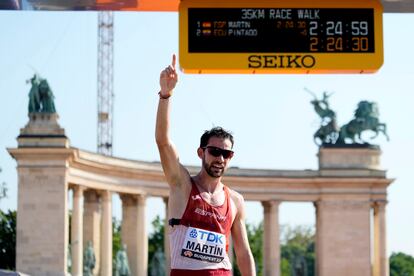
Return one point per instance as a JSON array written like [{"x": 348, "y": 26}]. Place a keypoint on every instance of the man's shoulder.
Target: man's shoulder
[{"x": 236, "y": 196}]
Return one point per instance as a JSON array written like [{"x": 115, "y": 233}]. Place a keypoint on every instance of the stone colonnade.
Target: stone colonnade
[
  {"x": 347, "y": 229},
  {"x": 347, "y": 186},
  {"x": 92, "y": 222}
]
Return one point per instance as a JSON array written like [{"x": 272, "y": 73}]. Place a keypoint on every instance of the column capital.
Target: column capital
[
  {"x": 379, "y": 206},
  {"x": 128, "y": 199},
  {"x": 380, "y": 203},
  {"x": 91, "y": 195},
  {"x": 271, "y": 203},
  {"x": 77, "y": 190},
  {"x": 133, "y": 199},
  {"x": 105, "y": 195}
]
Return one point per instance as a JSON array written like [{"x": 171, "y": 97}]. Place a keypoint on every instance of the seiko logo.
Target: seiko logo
[{"x": 281, "y": 61}]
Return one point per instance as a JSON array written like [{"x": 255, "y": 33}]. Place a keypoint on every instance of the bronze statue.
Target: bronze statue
[
  {"x": 88, "y": 260},
  {"x": 41, "y": 97},
  {"x": 366, "y": 117},
  {"x": 322, "y": 107},
  {"x": 46, "y": 97},
  {"x": 328, "y": 131},
  {"x": 298, "y": 265},
  {"x": 3, "y": 190},
  {"x": 122, "y": 265},
  {"x": 157, "y": 263},
  {"x": 34, "y": 97}
]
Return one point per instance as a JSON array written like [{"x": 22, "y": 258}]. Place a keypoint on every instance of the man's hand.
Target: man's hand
[{"x": 168, "y": 80}]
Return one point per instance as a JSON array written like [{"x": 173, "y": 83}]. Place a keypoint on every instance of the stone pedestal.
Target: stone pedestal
[
  {"x": 349, "y": 157},
  {"x": 43, "y": 130}
]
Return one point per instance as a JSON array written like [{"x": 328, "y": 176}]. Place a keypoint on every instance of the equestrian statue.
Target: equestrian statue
[
  {"x": 41, "y": 97},
  {"x": 366, "y": 118}
]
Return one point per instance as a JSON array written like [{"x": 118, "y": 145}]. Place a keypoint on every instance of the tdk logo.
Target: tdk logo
[
  {"x": 193, "y": 234},
  {"x": 206, "y": 236}
]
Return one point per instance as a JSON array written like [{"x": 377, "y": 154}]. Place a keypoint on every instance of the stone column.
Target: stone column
[
  {"x": 134, "y": 233},
  {"x": 77, "y": 231},
  {"x": 271, "y": 244},
  {"x": 92, "y": 225},
  {"x": 318, "y": 240},
  {"x": 142, "y": 254},
  {"x": 42, "y": 210},
  {"x": 106, "y": 238},
  {"x": 343, "y": 245},
  {"x": 381, "y": 266},
  {"x": 167, "y": 252}
]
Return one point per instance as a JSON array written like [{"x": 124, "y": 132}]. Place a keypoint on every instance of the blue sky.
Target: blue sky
[{"x": 270, "y": 115}]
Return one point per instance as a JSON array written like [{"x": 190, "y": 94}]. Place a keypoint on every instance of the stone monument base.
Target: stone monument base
[
  {"x": 43, "y": 130},
  {"x": 350, "y": 157}
]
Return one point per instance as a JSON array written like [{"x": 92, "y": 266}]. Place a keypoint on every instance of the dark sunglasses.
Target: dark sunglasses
[{"x": 216, "y": 152}]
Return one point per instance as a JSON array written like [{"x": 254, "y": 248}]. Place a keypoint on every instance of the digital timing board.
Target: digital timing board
[{"x": 280, "y": 37}]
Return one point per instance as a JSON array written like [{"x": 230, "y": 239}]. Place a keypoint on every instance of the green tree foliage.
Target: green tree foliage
[
  {"x": 255, "y": 237},
  {"x": 116, "y": 237},
  {"x": 401, "y": 264},
  {"x": 8, "y": 240},
  {"x": 297, "y": 246},
  {"x": 297, "y": 250}
]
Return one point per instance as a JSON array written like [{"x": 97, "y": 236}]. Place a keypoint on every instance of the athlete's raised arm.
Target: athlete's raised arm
[{"x": 168, "y": 153}]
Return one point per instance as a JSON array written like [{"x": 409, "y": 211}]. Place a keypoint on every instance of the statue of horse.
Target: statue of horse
[
  {"x": 366, "y": 118},
  {"x": 46, "y": 97},
  {"x": 327, "y": 134}
]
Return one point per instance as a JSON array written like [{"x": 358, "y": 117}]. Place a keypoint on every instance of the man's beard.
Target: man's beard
[{"x": 211, "y": 171}]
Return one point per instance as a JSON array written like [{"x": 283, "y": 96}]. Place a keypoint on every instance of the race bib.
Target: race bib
[{"x": 204, "y": 245}]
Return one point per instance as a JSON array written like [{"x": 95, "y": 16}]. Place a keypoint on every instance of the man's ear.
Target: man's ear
[{"x": 200, "y": 152}]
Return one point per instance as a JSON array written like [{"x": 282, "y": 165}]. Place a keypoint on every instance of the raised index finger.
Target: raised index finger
[{"x": 173, "y": 61}]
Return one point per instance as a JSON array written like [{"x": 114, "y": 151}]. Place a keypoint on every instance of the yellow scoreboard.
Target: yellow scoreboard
[{"x": 295, "y": 36}]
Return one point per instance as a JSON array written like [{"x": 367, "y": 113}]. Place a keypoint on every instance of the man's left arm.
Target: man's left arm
[{"x": 241, "y": 245}]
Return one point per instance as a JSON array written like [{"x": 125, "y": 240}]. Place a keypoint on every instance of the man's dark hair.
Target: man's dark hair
[{"x": 215, "y": 132}]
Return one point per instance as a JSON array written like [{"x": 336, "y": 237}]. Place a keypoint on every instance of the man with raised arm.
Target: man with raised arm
[{"x": 202, "y": 211}]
